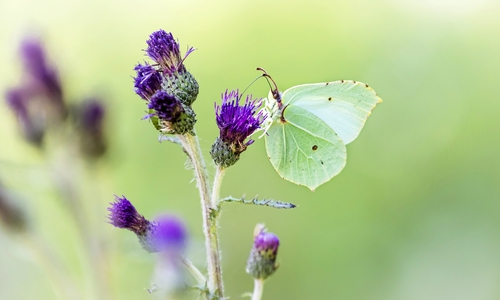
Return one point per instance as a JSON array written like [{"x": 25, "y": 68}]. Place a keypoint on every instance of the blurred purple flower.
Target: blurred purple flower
[
  {"x": 262, "y": 261},
  {"x": 90, "y": 117}
]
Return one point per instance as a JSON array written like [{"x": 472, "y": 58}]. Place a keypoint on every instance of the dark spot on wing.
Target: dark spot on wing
[
  {"x": 366, "y": 84},
  {"x": 354, "y": 81},
  {"x": 321, "y": 161},
  {"x": 342, "y": 81},
  {"x": 315, "y": 147},
  {"x": 327, "y": 83},
  {"x": 329, "y": 98}
]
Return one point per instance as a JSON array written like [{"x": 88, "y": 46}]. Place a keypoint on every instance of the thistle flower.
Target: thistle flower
[
  {"x": 124, "y": 215},
  {"x": 164, "y": 50},
  {"x": 170, "y": 115},
  {"x": 90, "y": 125},
  {"x": 147, "y": 82},
  {"x": 165, "y": 234},
  {"x": 168, "y": 73},
  {"x": 236, "y": 123},
  {"x": 262, "y": 261}
]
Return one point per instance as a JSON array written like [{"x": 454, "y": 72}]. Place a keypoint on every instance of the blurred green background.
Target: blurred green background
[{"x": 414, "y": 215}]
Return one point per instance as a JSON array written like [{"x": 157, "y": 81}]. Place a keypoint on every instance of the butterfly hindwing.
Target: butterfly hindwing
[{"x": 303, "y": 149}]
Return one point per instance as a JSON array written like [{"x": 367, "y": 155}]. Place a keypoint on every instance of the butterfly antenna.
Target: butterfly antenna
[
  {"x": 275, "y": 91},
  {"x": 241, "y": 95}
]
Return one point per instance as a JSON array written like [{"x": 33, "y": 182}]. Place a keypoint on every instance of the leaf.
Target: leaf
[{"x": 256, "y": 201}]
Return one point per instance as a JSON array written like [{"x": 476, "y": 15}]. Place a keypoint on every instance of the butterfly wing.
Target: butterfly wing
[
  {"x": 344, "y": 105},
  {"x": 304, "y": 149}
]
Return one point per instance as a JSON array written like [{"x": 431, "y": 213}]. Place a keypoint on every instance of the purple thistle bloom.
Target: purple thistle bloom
[
  {"x": 236, "y": 123},
  {"x": 167, "y": 107},
  {"x": 147, "y": 81},
  {"x": 267, "y": 242},
  {"x": 124, "y": 215},
  {"x": 262, "y": 261},
  {"x": 164, "y": 50}
]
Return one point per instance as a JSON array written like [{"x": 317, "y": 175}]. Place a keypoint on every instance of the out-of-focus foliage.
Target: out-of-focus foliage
[{"x": 414, "y": 215}]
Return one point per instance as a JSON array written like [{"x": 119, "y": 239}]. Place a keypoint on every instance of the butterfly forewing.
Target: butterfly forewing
[{"x": 343, "y": 105}]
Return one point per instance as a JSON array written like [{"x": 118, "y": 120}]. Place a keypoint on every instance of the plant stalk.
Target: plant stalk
[
  {"x": 258, "y": 289},
  {"x": 215, "y": 284}
]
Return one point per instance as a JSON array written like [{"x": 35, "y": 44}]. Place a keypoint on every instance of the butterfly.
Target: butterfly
[{"x": 308, "y": 127}]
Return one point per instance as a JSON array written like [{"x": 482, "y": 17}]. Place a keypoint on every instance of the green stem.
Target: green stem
[
  {"x": 194, "y": 271},
  {"x": 192, "y": 148},
  {"x": 219, "y": 174},
  {"x": 258, "y": 289}
]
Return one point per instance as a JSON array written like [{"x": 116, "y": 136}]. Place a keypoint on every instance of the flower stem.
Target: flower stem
[
  {"x": 219, "y": 174},
  {"x": 258, "y": 289},
  {"x": 215, "y": 284},
  {"x": 194, "y": 271}
]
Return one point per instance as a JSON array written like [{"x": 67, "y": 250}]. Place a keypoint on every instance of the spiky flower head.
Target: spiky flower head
[
  {"x": 170, "y": 115},
  {"x": 262, "y": 261},
  {"x": 165, "y": 51},
  {"x": 147, "y": 82},
  {"x": 124, "y": 215},
  {"x": 168, "y": 73},
  {"x": 165, "y": 233},
  {"x": 236, "y": 123}
]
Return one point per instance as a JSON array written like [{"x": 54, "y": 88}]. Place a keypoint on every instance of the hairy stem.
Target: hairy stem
[
  {"x": 258, "y": 289},
  {"x": 215, "y": 284},
  {"x": 219, "y": 174},
  {"x": 194, "y": 271}
]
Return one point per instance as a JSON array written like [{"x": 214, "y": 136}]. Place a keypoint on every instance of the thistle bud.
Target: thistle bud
[
  {"x": 262, "y": 261},
  {"x": 236, "y": 123}
]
